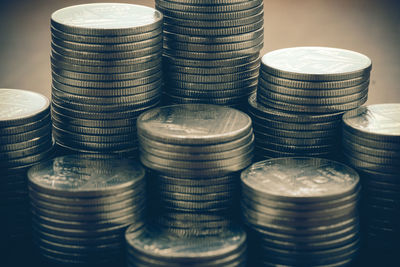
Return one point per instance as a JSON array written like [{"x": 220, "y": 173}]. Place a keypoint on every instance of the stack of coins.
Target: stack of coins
[
  {"x": 304, "y": 91},
  {"x": 195, "y": 152},
  {"x": 371, "y": 143},
  {"x": 25, "y": 139},
  {"x": 154, "y": 247},
  {"x": 211, "y": 50},
  {"x": 106, "y": 69},
  {"x": 81, "y": 207},
  {"x": 301, "y": 212}
]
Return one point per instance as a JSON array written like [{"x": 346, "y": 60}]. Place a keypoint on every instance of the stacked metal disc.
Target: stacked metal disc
[
  {"x": 301, "y": 212},
  {"x": 301, "y": 96},
  {"x": 25, "y": 139},
  {"x": 371, "y": 143},
  {"x": 106, "y": 69},
  {"x": 211, "y": 50},
  {"x": 195, "y": 152},
  {"x": 81, "y": 207},
  {"x": 154, "y": 247}
]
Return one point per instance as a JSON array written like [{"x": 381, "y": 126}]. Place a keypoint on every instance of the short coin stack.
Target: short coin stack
[
  {"x": 301, "y": 212},
  {"x": 211, "y": 50},
  {"x": 25, "y": 139},
  {"x": 306, "y": 90},
  {"x": 154, "y": 247},
  {"x": 82, "y": 206},
  {"x": 195, "y": 152},
  {"x": 371, "y": 143},
  {"x": 106, "y": 70}
]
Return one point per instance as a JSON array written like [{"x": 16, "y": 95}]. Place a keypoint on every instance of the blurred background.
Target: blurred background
[{"x": 371, "y": 27}]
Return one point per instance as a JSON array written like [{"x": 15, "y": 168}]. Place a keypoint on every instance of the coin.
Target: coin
[
  {"x": 110, "y": 19},
  {"x": 316, "y": 63}
]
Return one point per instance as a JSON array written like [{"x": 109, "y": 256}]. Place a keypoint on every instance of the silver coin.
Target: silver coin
[
  {"x": 26, "y": 136},
  {"x": 301, "y": 179},
  {"x": 107, "y": 84},
  {"x": 214, "y": 23},
  {"x": 107, "y": 55},
  {"x": 213, "y": 148},
  {"x": 160, "y": 245},
  {"x": 197, "y": 156},
  {"x": 394, "y": 161},
  {"x": 109, "y": 47},
  {"x": 301, "y": 92},
  {"x": 194, "y": 124},
  {"x": 218, "y": 31},
  {"x": 106, "y": 19},
  {"x": 168, "y": 181},
  {"x": 42, "y": 147},
  {"x": 104, "y": 77},
  {"x": 211, "y": 94},
  {"x": 93, "y": 138},
  {"x": 106, "y": 39},
  {"x": 368, "y": 142},
  {"x": 196, "y": 190},
  {"x": 312, "y": 84},
  {"x": 376, "y": 152},
  {"x": 198, "y": 15},
  {"x": 311, "y": 108},
  {"x": 268, "y": 153},
  {"x": 370, "y": 166},
  {"x": 24, "y": 162},
  {"x": 296, "y": 141},
  {"x": 231, "y": 102},
  {"x": 218, "y": 78},
  {"x": 239, "y": 84},
  {"x": 188, "y": 7},
  {"x": 316, "y": 63},
  {"x": 378, "y": 122},
  {"x": 317, "y": 101},
  {"x": 21, "y": 107},
  {"x": 19, "y": 129},
  {"x": 78, "y": 67},
  {"x": 171, "y": 67},
  {"x": 79, "y": 175},
  {"x": 212, "y": 55}
]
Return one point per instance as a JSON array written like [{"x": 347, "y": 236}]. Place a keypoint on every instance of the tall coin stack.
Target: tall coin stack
[
  {"x": 106, "y": 69},
  {"x": 371, "y": 143},
  {"x": 154, "y": 247},
  {"x": 195, "y": 152},
  {"x": 81, "y": 207},
  {"x": 301, "y": 96},
  {"x": 301, "y": 212},
  {"x": 211, "y": 50},
  {"x": 25, "y": 139}
]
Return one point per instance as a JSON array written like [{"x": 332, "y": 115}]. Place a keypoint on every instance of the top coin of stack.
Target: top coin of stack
[
  {"x": 371, "y": 143},
  {"x": 106, "y": 69},
  {"x": 211, "y": 49},
  {"x": 301, "y": 96},
  {"x": 25, "y": 139}
]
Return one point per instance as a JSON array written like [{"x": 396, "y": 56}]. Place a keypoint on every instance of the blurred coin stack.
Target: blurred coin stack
[
  {"x": 371, "y": 143},
  {"x": 211, "y": 50},
  {"x": 106, "y": 70},
  {"x": 301, "y": 96},
  {"x": 81, "y": 207},
  {"x": 194, "y": 152},
  {"x": 301, "y": 212},
  {"x": 154, "y": 247},
  {"x": 25, "y": 139}
]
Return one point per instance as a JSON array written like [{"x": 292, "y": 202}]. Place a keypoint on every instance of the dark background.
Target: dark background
[{"x": 371, "y": 27}]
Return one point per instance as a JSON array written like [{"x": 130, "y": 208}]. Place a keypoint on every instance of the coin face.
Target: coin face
[
  {"x": 316, "y": 63},
  {"x": 161, "y": 244},
  {"x": 106, "y": 16},
  {"x": 380, "y": 119},
  {"x": 194, "y": 124},
  {"x": 300, "y": 178},
  {"x": 81, "y": 174},
  {"x": 20, "y": 104}
]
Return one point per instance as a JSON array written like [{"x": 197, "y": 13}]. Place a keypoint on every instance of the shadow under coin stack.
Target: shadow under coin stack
[
  {"x": 154, "y": 247},
  {"x": 211, "y": 50},
  {"x": 194, "y": 152},
  {"x": 106, "y": 70},
  {"x": 371, "y": 143},
  {"x": 301, "y": 96},
  {"x": 25, "y": 139},
  {"x": 82, "y": 206},
  {"x": 301, "y": 212}
]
